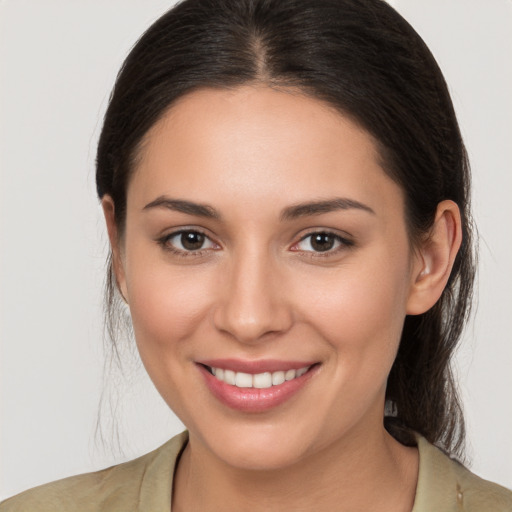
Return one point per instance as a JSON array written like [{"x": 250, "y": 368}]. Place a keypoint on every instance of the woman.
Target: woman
[{"x": 287, "y": 197}]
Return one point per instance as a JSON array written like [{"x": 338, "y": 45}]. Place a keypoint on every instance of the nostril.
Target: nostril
[{"x": 251, "y": 321}]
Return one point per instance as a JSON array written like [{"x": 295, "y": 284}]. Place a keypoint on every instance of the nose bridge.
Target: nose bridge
[{"x": 253, "y": 303}]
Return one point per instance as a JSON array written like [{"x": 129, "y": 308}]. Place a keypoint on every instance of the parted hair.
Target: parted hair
[{"x": 363, "y": 58}]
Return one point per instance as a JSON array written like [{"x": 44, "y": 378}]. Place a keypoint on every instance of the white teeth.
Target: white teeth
[
  {"x": 262, "y": 380},
  {"x": 259, "y": 380},
  {"x": 277, "y": 378},
  {"x": 230, "y": 377},
  {"x": 290, "y": 374},
  {"x": 301, "y": 372},
  {"x": 242, "y": 380}
]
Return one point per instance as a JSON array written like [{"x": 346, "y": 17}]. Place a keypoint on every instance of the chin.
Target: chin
[
  {"x": 249, "y": 457},
  {"x": 259, "y": 447}
]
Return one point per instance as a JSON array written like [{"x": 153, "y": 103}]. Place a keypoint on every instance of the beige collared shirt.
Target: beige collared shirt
[{"x": 145, "y": 485}]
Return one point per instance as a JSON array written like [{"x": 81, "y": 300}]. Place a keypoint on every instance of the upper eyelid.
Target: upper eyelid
[
  {"x": 345, "y": 242},
  {"x": 185, "y": 229},
  {"x": 343, "y": 237},
  {"x": 167, "y": 235},
  {"x": 164, "y": 242}
]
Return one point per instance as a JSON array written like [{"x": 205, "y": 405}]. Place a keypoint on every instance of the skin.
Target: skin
[{"x": 258, "y": 290}]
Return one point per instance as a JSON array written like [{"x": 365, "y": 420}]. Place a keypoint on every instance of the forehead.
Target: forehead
[{"x": 257, "y": 144}]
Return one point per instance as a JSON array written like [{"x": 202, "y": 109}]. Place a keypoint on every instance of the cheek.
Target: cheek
[
  {"x": 359, "y": 314},
  {"x": 167, "y": 303},
  {"x": 360, "y": 308},
  {"x": 166, "y": 308}
]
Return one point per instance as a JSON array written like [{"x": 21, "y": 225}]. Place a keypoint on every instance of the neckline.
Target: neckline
[{"x": 435, "y": 488}]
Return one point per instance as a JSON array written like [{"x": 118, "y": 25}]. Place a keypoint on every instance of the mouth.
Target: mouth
[
  {"x": 247, "y": 387},
  {"x": 259, "y": 380}
]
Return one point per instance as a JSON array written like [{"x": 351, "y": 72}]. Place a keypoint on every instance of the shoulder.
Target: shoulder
[
  {"x": 144, "y": 483},
  {"x": 452, "y": 487},
  {"x": 480, "y": 494}
]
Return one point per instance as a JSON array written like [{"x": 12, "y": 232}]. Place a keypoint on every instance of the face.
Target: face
[{"x": 265, "y": 244}]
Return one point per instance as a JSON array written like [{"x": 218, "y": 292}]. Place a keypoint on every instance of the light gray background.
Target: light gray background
[{"x": 58, "y": 60}]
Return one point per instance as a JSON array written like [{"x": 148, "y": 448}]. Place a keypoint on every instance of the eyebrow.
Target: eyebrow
[
  {"x": 320, "y": 207},
  {"x": 180, "y": 205},
  {"x": 290, "y": 213}
]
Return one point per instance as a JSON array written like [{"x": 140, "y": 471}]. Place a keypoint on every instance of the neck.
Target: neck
[{"x": 363, "y": 473}]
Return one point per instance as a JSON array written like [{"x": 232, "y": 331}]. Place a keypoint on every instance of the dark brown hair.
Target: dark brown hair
[{"x": 363, "y": 58}]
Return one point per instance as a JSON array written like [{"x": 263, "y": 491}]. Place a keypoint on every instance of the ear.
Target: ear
[
  {"x": 108, "y": 206},
  {"x": 434, "y": 259}
]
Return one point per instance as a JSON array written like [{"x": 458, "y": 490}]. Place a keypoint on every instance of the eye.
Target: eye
[
  {"x": 188, "y": 241},
  {"x": 321, "y": 241}
]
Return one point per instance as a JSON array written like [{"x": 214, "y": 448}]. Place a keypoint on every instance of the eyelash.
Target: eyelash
[
  {"x": 164, "y": 243},
  {"x": 344, "y": 244}
]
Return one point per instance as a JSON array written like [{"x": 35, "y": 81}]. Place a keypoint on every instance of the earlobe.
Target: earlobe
[
  {"x": 108, "y": 206},
  {"x": 434, "y": 259}
]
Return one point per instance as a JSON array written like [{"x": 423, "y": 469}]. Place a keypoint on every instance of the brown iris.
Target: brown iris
[
  {"x": 322, "y": 242},
  {"x": 192, "y": 240}
]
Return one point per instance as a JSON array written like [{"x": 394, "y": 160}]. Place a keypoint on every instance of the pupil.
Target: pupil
[
  {"x": 322, "y": 242},
  {"x": 192, "y": 240}
]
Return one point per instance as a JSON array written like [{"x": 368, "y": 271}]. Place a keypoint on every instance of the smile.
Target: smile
[
  {"x": 260, "y": 380},
  {"x": 255, "y": 387}
]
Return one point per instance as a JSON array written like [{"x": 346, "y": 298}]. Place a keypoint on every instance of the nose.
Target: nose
[{"x": 253, "y": 304}]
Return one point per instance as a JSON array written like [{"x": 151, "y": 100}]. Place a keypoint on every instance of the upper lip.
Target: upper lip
[{"x": 255, "y": 367}]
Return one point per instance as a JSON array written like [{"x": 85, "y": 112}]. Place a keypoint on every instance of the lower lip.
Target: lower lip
[{"x": 254, "y": 399}]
